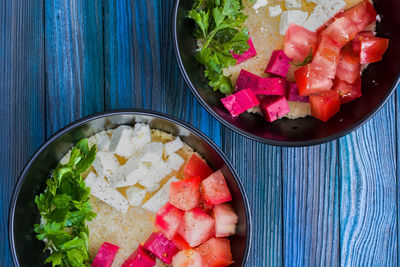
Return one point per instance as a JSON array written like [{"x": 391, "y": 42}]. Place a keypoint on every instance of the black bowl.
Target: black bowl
[
  {"x": 26, "y": 250},
  {"x": 378, "y": 83}
]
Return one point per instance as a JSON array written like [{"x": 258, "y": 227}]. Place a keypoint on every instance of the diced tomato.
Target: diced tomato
[
  {"x": 216, "y": 252},
  {"x": 356, "y": 42},
  {"x": 168, "y": 219},
  {"x": 206, "y": 207},
  {"x": 347, "y": 92},
  {"x": 161, "y": 247},
  {"x": 225, "y": 220},
  {"x": 187, "y": 258},
  {"x": 185, "y": 194},
  {"x": 325, "y": 59},
  {"x": 299, "y": 42},
  {"x": 196, "y": 227},
  {"x": 215, "y": 189},
  {"x": 341, "y": 31},
  {"x": 140, "y": 258},
  {"x": 362, "y": 15},
  {"x": 348, "y": 68},
  {"x": 372, "y": 49},
  {"x": 105, "y": 256},
  {"x": 309, "y": 82},
  {"x": 180, "y": 242},
  {"x": 324, "y": 105},
  {"x": 197, "y": 167}
]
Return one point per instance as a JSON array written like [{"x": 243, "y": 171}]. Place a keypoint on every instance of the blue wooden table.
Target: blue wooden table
[{"x": 328, "y": 205}]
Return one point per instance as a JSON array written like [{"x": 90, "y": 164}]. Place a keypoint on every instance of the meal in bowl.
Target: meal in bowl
[
  {"x": 135, "y": 196},
  {"x": 288, "y": 59}
]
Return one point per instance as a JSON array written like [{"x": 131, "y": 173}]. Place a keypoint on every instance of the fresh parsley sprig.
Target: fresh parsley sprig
[
  {"x": 64, "y": 206},
  {"x": 219, "y": 25}
]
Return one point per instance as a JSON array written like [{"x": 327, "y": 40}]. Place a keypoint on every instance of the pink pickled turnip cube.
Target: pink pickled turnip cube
[
  {"x": 239, "y": 102},
  {"x": 251, "y": 52},
  {"x": 292, "y": 94},
  {"x": 161, "y": 247},
  {"x": 273, "y": 107},
  {"x": 105, "y": 256},
  {"x": 271, "y": 86},
  {"x": 246, "y": 80},
  {"x": 140, "y": 258},
  {"x": 278, "y": 64}
]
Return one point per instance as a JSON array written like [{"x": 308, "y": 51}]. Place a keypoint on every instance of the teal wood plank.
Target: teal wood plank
[
  {"x": 21, "y": 98},
  {"x": 310, "y": 206},
  {"x": 259, "y": 167},
  {"x": 74, "y": 61},
  {"x": 367, "y": 176}
]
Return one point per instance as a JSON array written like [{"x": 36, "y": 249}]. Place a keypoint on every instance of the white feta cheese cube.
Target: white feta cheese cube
[
  {"x": 160, "y": 198},
  {"x": 141, "y": 136},
  {"x": 106, "y": 164},
  {"x": 175, "y": 161},
  {"x": 106, "y": 193},
  {"x": 103, "y": 141},
  {"x": 289, "y": 4},
  {"x": 173, "y": 146},
  {"x": 157, "y": 173},
  {"x": 291, "y": 16},
  {"x": 260, "y": 3},
  {"x": 332, "y": 7},
  {"x": 152, "y": 152},
  {"x": 316, "y": 19},
  {"x": 314, "y": 1},
  {"x": 121, "y": 141},
  {"x": 135, "y": 195},
  {"x": 65, "y": 159},
  {"x": 274, "y": 11},
  {"x": 133, "y": 171}
]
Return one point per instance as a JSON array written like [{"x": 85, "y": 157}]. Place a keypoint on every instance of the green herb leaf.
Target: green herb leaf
[{"x": 307, "y": 60}]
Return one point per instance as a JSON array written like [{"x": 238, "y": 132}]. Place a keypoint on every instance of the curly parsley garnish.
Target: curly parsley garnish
[
  {"x": 219, "y": 25},
  {"x": 64, "y": 206},
  {"x": 307, "y": 60}
]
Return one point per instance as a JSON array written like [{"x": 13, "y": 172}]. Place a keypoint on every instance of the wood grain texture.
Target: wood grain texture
[
  {"x": 259, "y": 167},
  {"x": 74, "y": 61},
  {"x": 310, "y": 206},
  {"x": 367, "y": 176},
  {"x": 21, "y": 98}
]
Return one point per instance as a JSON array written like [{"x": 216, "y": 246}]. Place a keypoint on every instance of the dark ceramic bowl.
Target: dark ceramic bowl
[
  {"x": 26, "y": 250},
  {"x": 378, "y": 83}
]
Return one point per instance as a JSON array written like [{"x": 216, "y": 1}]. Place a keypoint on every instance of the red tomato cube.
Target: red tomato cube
[
  {"x": 187, "y": 258},
  {"x": 225, "y": 220},
  {"x": 341, "y": 31},
  {"x": 140, "y": 258},
  {"x": 161, "y": 247},
  {"x": 185, "y": 194},
  {"x": 325, "y": 59},
  {"x": 361, "y": 15},
  {"x": 324, "y": 105},
  {"x": 105, "y": 256},
  {"x": 299, "y": 42},
  {"x": 348, "y": 68},
  {"x": 249, "y": 53},
  {"x": 180, "y": 242},
  {"x": 347, "y": 92},
  {"x": 196, "y": 227},
  {"x": 372, "y": 49},
  {"x": 357, "y": 43},
  {"x": 310, "y": 82},
  {"x": 168, "y": 219},
  {"x": 215, "y": 190},
  {"x": 197, "y": 167},
  {"x": 216, "y": 252}
]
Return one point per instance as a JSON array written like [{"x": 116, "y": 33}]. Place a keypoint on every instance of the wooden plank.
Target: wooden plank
[
  {"x": 310, "y": 206},
  {"x": 367, "y": 176},
  {"x": 74, "y": 61},
  {"x": 21, "y": 98},
  {"x": 259, "y": 167}
]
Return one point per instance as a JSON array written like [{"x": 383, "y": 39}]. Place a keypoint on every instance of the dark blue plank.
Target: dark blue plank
[
  {"x": 367, "y": 176},
  {"x": 21, "y": 98},
  {"x": 310, "y": 206},
  {"x": 74, "y": 61}
]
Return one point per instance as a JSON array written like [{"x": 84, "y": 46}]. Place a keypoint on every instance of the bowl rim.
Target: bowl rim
[
  {"x": 257, "y": 138},
  {"x": 103, "y": 114}
]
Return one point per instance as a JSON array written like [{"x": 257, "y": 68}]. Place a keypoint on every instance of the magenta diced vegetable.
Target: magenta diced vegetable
[
  {"x": 278, "y": 64},
  {"x": 251, "y": 52},
  {"x": 273, "y": 107},
  {"x": 105, "y": 256},
  {"x": 292, "y": 94},
  {"x": 271, "y": 86},
  {"x": 161, "y": 247},
  {"x": 246, "y": 80},
  {"x": 239, "y": 102},
  {"x": 140, "y": 258}
]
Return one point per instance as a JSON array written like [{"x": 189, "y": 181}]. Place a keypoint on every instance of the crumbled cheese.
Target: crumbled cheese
[
  {"x": 332, "y": 7},
  {"x": 274, "y": 11},
  {"x": 106, "y": 164},
  {"x": 157, "y": 173},
  {"x": 152, "y": 152},
  {"x": 121, "y": 141},
  {"x": 135, "y": 195},
  {"x": 290, "y": 4},
  {"x": 133, "y": 171},
  {"x": 141, "y": 135},
  {"x": 66, "y": 158},
  {"x": 260, "y": 3},
  {"x": 160, "y": 198},
  {"x": 291, "y": 16},
  {"x": 172, "y": 146},
  {"x": 316, "y": 19},
  {"x": 102, "y": 140},
  {"x": 175, "y": 161}
]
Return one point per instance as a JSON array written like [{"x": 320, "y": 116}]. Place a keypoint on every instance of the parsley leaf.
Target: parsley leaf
[
  {"x": 219, "y": 25},
  {"x": 307, "y": 60},
  {"x": 65, "y": 207}
]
